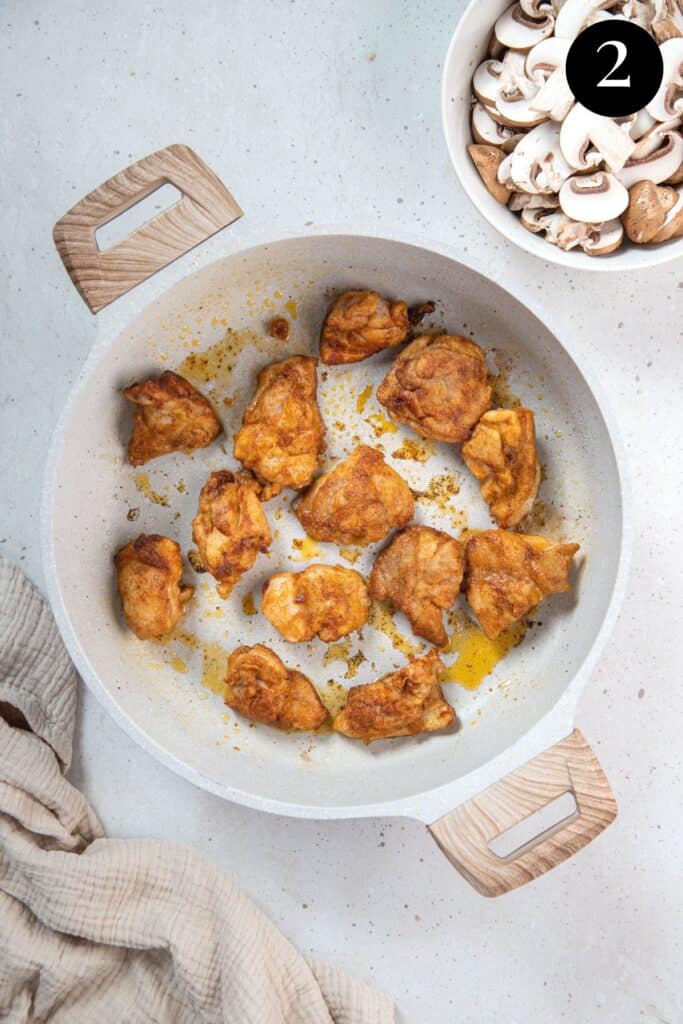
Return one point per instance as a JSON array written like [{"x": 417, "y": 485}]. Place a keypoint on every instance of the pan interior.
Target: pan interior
[{"x": 213, "y": 327}]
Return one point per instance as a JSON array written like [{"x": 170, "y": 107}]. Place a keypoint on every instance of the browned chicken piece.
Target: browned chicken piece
[
  {"x": 403, "y": 703},
  {"x": 283, "y": 433},
  {"x": 509, "y": 573},
  {"x": 172, "y": 417},
  {"x": 263, "y": 689},
  {"x": 230, "y": 527},
  {"x": 360, "y": 501},
  {"x": 148, "y": 572},
  {"x": 438, "y": 386},
  {"x": 360, "y": 323},
  {"x": 328, "y": 601},
  {"x": 502, "y": 455},
  {"x": 420, "y": 572}
]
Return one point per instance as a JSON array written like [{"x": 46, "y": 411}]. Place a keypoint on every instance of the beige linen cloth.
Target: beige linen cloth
[{"x": 107, "y": 931}]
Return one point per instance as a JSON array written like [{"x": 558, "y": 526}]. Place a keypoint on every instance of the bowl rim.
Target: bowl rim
[{"x": 642, "y": 257}]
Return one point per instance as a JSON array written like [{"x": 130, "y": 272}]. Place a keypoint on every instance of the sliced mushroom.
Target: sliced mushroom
[
  {"x": 511, "y": 144},
  {"x": 668, "y": 20},
  {"x": 640, "y": 12},
  {"x": 487, "y": 160},
  {"x": 668, "y": 100},
  {"x": 536, "y": 8},
  {"x": 518, "y": 31},
  {"x": 593, "y": 198},
  {"x": 486, "y": 81},
  {"x": 486, "y": 130},
  {"x": 515, "y": 82},
  {"x": 519, "y": 201},
  {"x": 648, "y": 206},
  {"x": 676, "y": 178},
  {"x": 604, "y": 238},
  {"x": 546, "y": 57},
  {"x": 656, "y": 166},
  {"x": 536, "y": 164},
  {"x": 673, "y": 224},
  {"x": 575, "y": 15},
  {"x": 641, "y": 124},
  {"x": 586, "y": 139}
]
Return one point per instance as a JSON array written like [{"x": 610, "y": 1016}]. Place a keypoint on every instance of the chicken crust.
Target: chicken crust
[
  {"x": 328, "y": 601},
  {"x": 149, "y": 570},
  {"x": 438, "y": 386},
  {"x": 501, "y": 453},
  {"x": 420, "y": 572},
  {"x": 402, "y": 703},
  {"x": 230, "y": 527},
  {"x": 360, "y": 323},
  {"x": 259, "y": 686},
  {"x": 509, "y": 573},
  {"x": 360, "y": 501},
  {"x": 172, "y": 416},
  {"x": 283, "y": 434}
]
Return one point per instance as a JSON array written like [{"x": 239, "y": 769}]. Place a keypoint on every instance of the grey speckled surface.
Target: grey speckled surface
[{"x": 309, "y": 111}]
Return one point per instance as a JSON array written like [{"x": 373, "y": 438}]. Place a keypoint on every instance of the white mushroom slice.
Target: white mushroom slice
[
  {"x": 536, "y": 165},
  {"x": 676, "y": 178},
  {"x": 559, "y": 229},
  {"x": 668, "y": 100},
  {"x": 582, "y": 129},
  {"x": 673, "y": 224},
  {"x": 536, "y": 8},
  {"x": 657, "y": 166},
  {"x": 651, "y": 141},
  {"x": 604, "y": 238},
  {"x": 575, "y": 15},
  {"x": 640, "y": 12},
  {"x": 515, "y": 84},
  {"x": 518, "y": 31},
  {"x": 668, "y": 20},
  {"x": 546, "y": 57},
  {"x": 528, "y": 201},
  {"x": 593, "y": 198},
  {"x": 641, "y": 124},
  {"x": 486, "y": 81},
  {"x": 518, "y": 113},
  {"x": 486, "y": 130},
  {"x": 554, "y": 98}
]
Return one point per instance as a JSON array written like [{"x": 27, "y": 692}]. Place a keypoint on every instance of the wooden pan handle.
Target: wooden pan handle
[
  {"x": 465, "y": 833},
  {"x": 206, "y": 207}
]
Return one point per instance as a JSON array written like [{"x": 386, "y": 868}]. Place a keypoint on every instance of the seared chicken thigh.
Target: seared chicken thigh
[
  {"x": 502, "y": 455},
  {"x": 438, "y": 386},
  {"x": 230, "y": 527},
  {"x": 360, "y": 501},
  {"x": 172, "y": 416},
  {"x": 328, "y": 601},
  {"x": 148, "y": 571},
  {"x": 509, "y": 573},
  {"x": 420, "y": 572},
  {"x": 283, "y": 434},
  {"x": 403, "y": 703},
  {"x": 263, "y": 689},
  {"x": 360, "y": 323}
]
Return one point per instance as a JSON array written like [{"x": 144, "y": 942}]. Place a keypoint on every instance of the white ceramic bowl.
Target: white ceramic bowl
[{"x": 467, "y": 50}]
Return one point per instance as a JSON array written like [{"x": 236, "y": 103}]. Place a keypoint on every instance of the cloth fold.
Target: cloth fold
[{"x": 106, "y": 931}]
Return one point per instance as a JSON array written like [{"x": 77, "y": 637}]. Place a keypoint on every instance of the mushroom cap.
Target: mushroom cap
[
  {"x": 668, "y": 20},
  {"x": 657, "y": 165},
  {"x": 673, "y": 222},
  {"x": 487, "y": 160},
  {"x": 593, "y": 198},
  {"x": 536, "y": 164},
  {"x": 546, "y": 57},
  {"x": 668, "y": 100},
  {"x": 486, "y": 129},
  {"x": 486, "y": 81},
  {"x": 586, "y": 139},
  {"x": 648, "y": 205},
  {"x": 518, "y": 31},
  {"x": 575, "y": 15}
]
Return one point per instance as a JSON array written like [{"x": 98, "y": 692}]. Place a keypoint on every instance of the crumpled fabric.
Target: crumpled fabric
[{"x": 107, "y": 931}]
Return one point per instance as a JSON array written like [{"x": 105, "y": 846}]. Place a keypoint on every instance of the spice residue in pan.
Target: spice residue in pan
[
  {"x": 381, "y": 619},
  {"x": 415, "y": 451},
  {"x": 142, "y": 482},
  {"x": 477, "y": 655}
]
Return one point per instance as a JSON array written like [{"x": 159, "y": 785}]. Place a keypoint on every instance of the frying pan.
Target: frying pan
[{"x": 515, "y": 750}]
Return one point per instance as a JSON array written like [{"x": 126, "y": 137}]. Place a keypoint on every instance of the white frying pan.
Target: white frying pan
[{"x": 516, "y": 733}]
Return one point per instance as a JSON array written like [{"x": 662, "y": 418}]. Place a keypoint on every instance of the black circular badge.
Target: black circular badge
[{"x": 614, "y": 67}]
